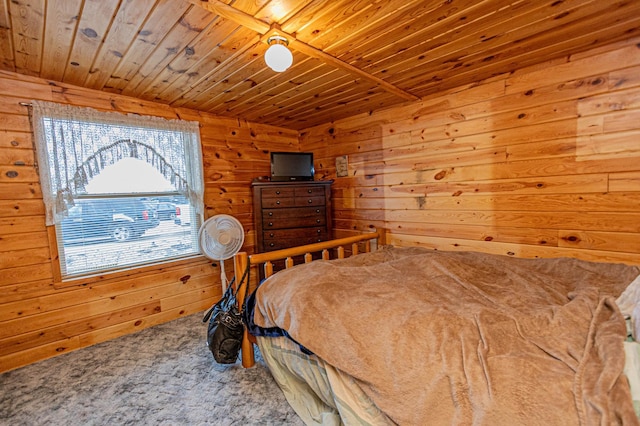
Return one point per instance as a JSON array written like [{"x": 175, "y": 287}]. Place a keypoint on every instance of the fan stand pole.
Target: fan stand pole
[{"x": 223, "y": 277}]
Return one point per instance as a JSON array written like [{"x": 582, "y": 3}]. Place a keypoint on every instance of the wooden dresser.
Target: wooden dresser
[{"x": 289, "y": 214}]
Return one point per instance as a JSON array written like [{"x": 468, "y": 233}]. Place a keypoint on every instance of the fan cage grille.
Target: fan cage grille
[{"x": 221, "y": 237}]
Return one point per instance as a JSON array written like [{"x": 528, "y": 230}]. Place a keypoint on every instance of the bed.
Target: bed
[{"x": 411, "y": 336}]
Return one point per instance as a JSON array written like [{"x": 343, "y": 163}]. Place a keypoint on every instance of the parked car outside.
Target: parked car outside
[
  {"x": 120, "y": 219},
  {"x": 166, "y": 210}
]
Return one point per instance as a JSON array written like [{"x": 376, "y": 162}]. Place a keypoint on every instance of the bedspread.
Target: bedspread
[{"x": 464, "y": 338}]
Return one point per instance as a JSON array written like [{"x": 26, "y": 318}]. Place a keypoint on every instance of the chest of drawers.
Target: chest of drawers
[{"x": 289, "y": 214}]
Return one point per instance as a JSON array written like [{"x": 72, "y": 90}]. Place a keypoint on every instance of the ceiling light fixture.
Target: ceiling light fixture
[{"x": 278, "y": 57}]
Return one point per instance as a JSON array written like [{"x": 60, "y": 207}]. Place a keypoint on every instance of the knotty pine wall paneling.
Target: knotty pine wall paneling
[
  {"x": 41, "y": 317},
  {"x": 540, "y": 162}
]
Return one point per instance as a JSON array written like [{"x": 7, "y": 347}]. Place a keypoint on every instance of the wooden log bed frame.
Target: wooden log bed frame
[{"x": 242, "y": 260}]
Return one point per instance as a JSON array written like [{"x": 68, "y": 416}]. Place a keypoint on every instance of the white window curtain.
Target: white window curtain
[{"x": 74, "y": 144}]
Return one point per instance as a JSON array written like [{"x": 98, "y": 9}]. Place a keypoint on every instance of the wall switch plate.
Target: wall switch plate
[{"x": 342, "y": 166}]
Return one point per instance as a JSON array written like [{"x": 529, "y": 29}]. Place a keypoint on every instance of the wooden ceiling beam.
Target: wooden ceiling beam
[
  {"x": 238, "y": 16},
  {"x": 331, "y": 60},
  {"x": 266, "y": 30}
]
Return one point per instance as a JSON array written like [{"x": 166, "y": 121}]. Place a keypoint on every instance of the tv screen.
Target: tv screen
[{"x": 292, "y": 166}]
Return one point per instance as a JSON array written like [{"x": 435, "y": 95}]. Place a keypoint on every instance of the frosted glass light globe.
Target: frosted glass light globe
[{"x": 278, "y": 57}]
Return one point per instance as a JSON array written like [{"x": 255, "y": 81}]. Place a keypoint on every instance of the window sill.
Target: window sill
[{"x": 110, "y": 277}]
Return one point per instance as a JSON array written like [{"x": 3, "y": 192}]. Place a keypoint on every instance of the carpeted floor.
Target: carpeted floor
[{"x": 164, "y": 375}]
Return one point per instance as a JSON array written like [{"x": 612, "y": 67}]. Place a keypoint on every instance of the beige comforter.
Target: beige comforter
[{"x": 464, "y": 338}]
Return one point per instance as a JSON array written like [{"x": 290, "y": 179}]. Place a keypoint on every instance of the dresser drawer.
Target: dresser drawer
[
  {"x": 293, "y": 217},
  {"x": 273, "y": 198},
  {"x": 290, "y": 242},
  {"x": 277, "y": 192},
  {"x": 275, "y": 203},
  {"x": 309, "y": 191},
  {"x": 310, "y": 201},
  {"x": 313, "y": 233}
]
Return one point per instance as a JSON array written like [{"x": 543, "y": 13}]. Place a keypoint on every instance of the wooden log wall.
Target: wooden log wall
[
  {"x": 41, "y": 318},
  {"x": 542, "y": 162}
]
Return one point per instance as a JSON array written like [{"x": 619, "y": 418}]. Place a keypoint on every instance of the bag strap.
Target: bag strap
[
  {"x": 229, "y": 295},
  {"x": 247, "y": 272},
  {"x": 247, "y": 275}
]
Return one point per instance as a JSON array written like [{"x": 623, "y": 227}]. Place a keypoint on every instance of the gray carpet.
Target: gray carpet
[{"x": 164, "y": 375}]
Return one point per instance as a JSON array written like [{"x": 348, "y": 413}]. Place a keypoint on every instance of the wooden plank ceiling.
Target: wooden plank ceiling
[{"x": 350, "y": 56}]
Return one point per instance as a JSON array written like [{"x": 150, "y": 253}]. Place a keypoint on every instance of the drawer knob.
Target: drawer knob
[
  {"x": 277, "y": 192},
  {"x": 270, "y": 213},
  {"x": 272, "y": 244},
  {"x": 271, "y": 235},
  {"x": 317, "y": 220},
  {"x": 278, "y": 202},
  {"x": 317, "y": 210},
  {"x": 270, "y": 223},
  {"x": 319, "y": 231},
  {"x": 309, "y": 201},
  {"x": 309, "y": 191}
]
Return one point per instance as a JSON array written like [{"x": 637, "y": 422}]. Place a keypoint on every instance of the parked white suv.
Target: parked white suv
[{"x": 183, "y": 214}]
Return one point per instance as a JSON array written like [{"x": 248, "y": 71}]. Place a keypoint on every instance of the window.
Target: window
[{"x": 121, "y": 190}]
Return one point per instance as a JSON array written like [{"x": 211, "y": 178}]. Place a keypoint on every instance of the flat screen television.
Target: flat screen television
[{"x": 291, "y": 166}]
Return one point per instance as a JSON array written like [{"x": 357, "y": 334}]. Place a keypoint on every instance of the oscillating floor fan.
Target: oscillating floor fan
[{"x": 221, "y": 237}]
